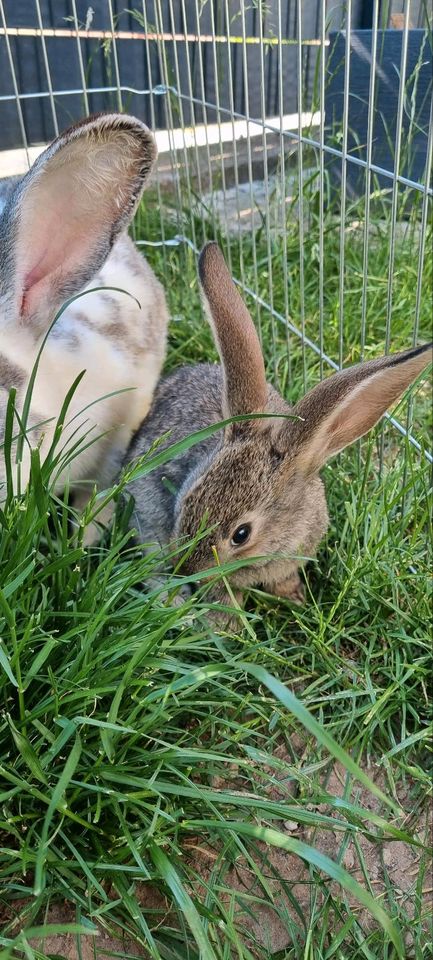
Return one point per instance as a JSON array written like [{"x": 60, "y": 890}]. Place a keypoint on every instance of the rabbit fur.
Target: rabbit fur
[
  {"x": 261, "y": 474},
  {"x": 63, "y": 232}
]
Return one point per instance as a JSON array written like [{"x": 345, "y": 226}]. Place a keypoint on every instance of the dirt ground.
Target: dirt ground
[{"x": 394, "y": 862}]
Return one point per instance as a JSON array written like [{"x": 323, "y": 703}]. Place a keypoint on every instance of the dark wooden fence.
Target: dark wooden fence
[
  {"x": 186, "y": 74},
  {"x": 142, "y": 65}
]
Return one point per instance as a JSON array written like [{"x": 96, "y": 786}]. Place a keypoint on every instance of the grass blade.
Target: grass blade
[
  {"x": 183, "y": 899},
  {"x": 56, "y": 796},
  {"x": 315, "y": 858},
  {"x": 317, "y": 730}
]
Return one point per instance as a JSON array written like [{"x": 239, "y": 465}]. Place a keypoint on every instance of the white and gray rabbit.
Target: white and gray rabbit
[
  {"x": 63, "y": 231},
  {"x": 256, "y": 482}
]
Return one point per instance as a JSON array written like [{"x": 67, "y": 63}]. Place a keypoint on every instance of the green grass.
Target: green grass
[{"x": 139, "y": 751}]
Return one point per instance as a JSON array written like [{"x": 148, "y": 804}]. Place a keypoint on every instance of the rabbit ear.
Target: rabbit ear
[
  {"x": 64, "y": 216},
  {"x": 245, "y": 388},
  {"x": 345, "y": 406}
]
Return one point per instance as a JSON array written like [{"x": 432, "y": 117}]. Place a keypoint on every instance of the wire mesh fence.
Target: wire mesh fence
[{"x": 298, "y": 134}]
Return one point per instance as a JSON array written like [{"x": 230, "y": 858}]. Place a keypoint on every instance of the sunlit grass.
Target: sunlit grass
[{"x": 148, "y": 766}]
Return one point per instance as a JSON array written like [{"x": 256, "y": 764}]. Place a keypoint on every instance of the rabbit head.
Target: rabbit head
[{"x": 261, "y": 492}]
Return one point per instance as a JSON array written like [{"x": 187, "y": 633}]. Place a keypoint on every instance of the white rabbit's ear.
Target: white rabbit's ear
[
  {"x": 346, "y": 405},
  {"x": 245, "y": 388},
  {"x": 64, "y": 216}
]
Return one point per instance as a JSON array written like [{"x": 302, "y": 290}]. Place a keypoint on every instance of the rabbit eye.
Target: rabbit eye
[{"x": 241, "y": 535}]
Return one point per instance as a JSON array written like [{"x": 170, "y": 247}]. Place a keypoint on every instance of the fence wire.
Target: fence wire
[{"x": 319, "y": 111}]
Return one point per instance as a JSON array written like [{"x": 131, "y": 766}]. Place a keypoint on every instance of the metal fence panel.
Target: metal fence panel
[{"x": 266, "y": 108}]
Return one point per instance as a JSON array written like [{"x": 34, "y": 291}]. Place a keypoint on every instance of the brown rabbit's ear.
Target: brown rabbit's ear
[
  {"x": 346, "y": 405},
  {"x": 66, "y": 213},
  {"x": 245, "y": 388}
]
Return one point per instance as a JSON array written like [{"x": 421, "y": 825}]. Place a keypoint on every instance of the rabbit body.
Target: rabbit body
[
  {"x": 200, "y": 388},
  {"x": 118, "y": 344},
  {"x": 252, "y": 490},
  {"x": 63, "y": 232}
]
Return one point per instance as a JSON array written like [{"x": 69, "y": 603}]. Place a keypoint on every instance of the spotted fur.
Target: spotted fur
[{"x": 63, "y": 232}]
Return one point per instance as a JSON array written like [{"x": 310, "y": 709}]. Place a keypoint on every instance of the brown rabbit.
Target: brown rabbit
[
  {"x": 63, "y": 231},
  {"x": 257, "y": 483}
]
